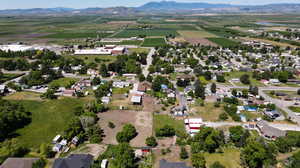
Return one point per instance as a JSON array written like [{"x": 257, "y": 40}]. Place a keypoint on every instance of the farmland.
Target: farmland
[
  {"x": 147, "y": 32},
  {"x": 153, "y": 42},
  {"x": 224, "y": 42}
]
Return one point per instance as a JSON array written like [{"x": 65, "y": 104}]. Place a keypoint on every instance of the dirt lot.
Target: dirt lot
[
  {"x": 201, "y": 41},
  {"x": 142, "y": 120}
]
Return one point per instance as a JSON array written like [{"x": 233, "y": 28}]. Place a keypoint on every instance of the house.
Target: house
[
  {"x": 19, "y": 162},
  {"x": 104, "y": 163},
  {"x": 268, "y": 131},
  {"x": 56, "y": 139},
  {"x": 105, "y": 100},
  {"x": 141, "y": 152},
  {"x": 144, "y": 86},
  {"x": 57, "y": 147},
  {"x": 92, "y": 72},
  {"x": 69, "y": 92},
  {"x": 74, "y": 161},
  {"x": 75, "y": 140},
  {"x": 3, "y": 89},
  {"x": 274, "y": 81},
  {"x": 193, "y": 125},
  {"x": 136, "y": 99},
  {"x": 165, "y": 164},
  {"x": 120, "y": 84}
]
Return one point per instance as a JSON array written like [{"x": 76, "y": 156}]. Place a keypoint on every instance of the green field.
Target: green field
[
  {"x": 63, "y": 35},
  {"x": 63, "y": 82},
  {"x": 196, "y": 34},
  {"x": 224, "y": 42},
  {"x": 295, "y": 109},
  {"x": 49, "y": 118},
  {"x": 230, "y": 158},
  {"x": 160, "y": 121},
  {"x": 93, "y": 58},
  {"x": 147, "y": 32},
  {"x": 154, "y": 42}
]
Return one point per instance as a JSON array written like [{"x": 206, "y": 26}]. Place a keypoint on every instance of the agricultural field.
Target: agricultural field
[
  {"x": 224, "y": 42},
  {"x": 196, "y": 37},
  {"x": 49, "y": 118},
  {"x": 154, "y": 42},
  {"x": 147, "y": 32}
]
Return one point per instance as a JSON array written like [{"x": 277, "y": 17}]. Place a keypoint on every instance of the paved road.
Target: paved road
[
  {"x": 149, "y": 62},
  {"x": 17, "y": 79}
]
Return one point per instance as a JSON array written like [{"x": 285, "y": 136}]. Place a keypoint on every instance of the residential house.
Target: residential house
[
  {"x": 268, "y": 131},
  {"x": 144, "y": 86},
  {"x": 3, "y": 89},
  {"x": 193, "y": 125},
  {"x": 136, "y": 99},
  {"x": 18, "y": 162},
  {"x": 74, "y": 161}
]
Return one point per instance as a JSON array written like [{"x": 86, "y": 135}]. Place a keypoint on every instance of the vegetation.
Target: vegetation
[{"x": 154, "y": 42}]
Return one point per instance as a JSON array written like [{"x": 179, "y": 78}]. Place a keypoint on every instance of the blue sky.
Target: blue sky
[{"x": 13, "y": 4}]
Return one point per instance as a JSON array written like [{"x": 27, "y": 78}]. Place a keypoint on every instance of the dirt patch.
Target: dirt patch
[
  {"x": 93, "y": 149},
  {"x": 201, "y": 41},
  {"x": 140, "y": 119}
]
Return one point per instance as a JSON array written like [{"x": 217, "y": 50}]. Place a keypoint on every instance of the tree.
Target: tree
[
  {"x": 96, "y": 81},
  {"x": 198, "y": 160},
  {"x": 183, "y": 153},
  {"x": 295, "y": 161},
  {"x": 245, "y": 79},
  {"x": 223, "y": 116},
  {"x": 238, "y": 135},
  {"x": 298, "y": 91},
  {"x": 258, "y": 154},
  {"x": 123, "y": 156},
  {"x": 50, "y": 94},
  {"x": 283, "y": 76},
  {"x": 151, "y": 141},
  {"x": 103, "y": 70},
  {"x": 141, "y": 78},
  {"x": 213, "y": 88},
  {"x": 128, "y": 133},
  {"x": 41, "y": 163},
  {"x": 165, "y": 131},
  {"x": 46, "y": 151},
  {"x": 216, "y": 165},
  {"x": 221, "y": 78},
  {"x": 95, "y": 134},
  {"x": 199, "y": 90},
  {"x": 111, "y": 125}
]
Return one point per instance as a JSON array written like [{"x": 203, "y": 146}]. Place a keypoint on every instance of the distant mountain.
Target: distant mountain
[
  {"x": 172, "y": 5},
  {"x": 160, "y": 7}
]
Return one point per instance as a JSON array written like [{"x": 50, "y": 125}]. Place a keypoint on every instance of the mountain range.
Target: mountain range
[{"x": 161, "y": 7}]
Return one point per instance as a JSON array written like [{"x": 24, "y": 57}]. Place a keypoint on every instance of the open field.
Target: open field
[
  {"x": 49, "y": 118},
  {"x": 230, "y": 158},
  {"x": 154, "y": 42},
  {"x": 63, "y": 82},
  {"x": 224, "y": 42},
  {"x": 160, "y": 121},
  {"x": 196, "y": 34},
  {"x": 208, "y": 112},
  {"x": 269, "y": 41},
  {"x": 236, "y": 74},
  {"x": 94, "y": 58},
  {"x": 295, "y": 109},
  {"x": 147, "y": 32}
]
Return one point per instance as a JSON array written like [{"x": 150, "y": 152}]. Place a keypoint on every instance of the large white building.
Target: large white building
[
  {"x": 16, "y": 47},
  {"x": 107, "y": 50},
  {"x": 193, "y": 125}
]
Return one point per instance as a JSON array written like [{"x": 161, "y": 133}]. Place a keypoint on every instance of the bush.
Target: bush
[
  {"x": 245, "y": 79},
  {"x": 183, "y": 153},
  {"x": 216, "y": 165},
  {"x": 151, "y": 141},
  {"x": 111, "y": 125},
  {"x": 127, "y": 134},
  {"x": 166, "y": 131},
  {"x": 223, "y": 116}
]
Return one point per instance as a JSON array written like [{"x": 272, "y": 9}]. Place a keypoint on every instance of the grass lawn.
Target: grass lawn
[
  {"x": 160, "y": 121},
  {"x": 196, "y": 34},
  {"x": 208, "y": 112},
  {"x": 49, "y": 118},
  {"x": 63, "y": 82},
  {"x": 251, "y": 115},
  {"x": 230, "y": 158},
  {"x": 120, "y": 90},
  {"x": 139, "y": 50},
  {"x": 154, "y": 42},
  {"x": 224, "y": 42},
  {"x": 238, "y": 74},
  {"x": 92, "y": 58},
  {"x": 295, "y": 109}
]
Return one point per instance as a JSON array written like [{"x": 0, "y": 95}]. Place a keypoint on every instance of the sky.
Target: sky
[{"x": 16, "y": 4}]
